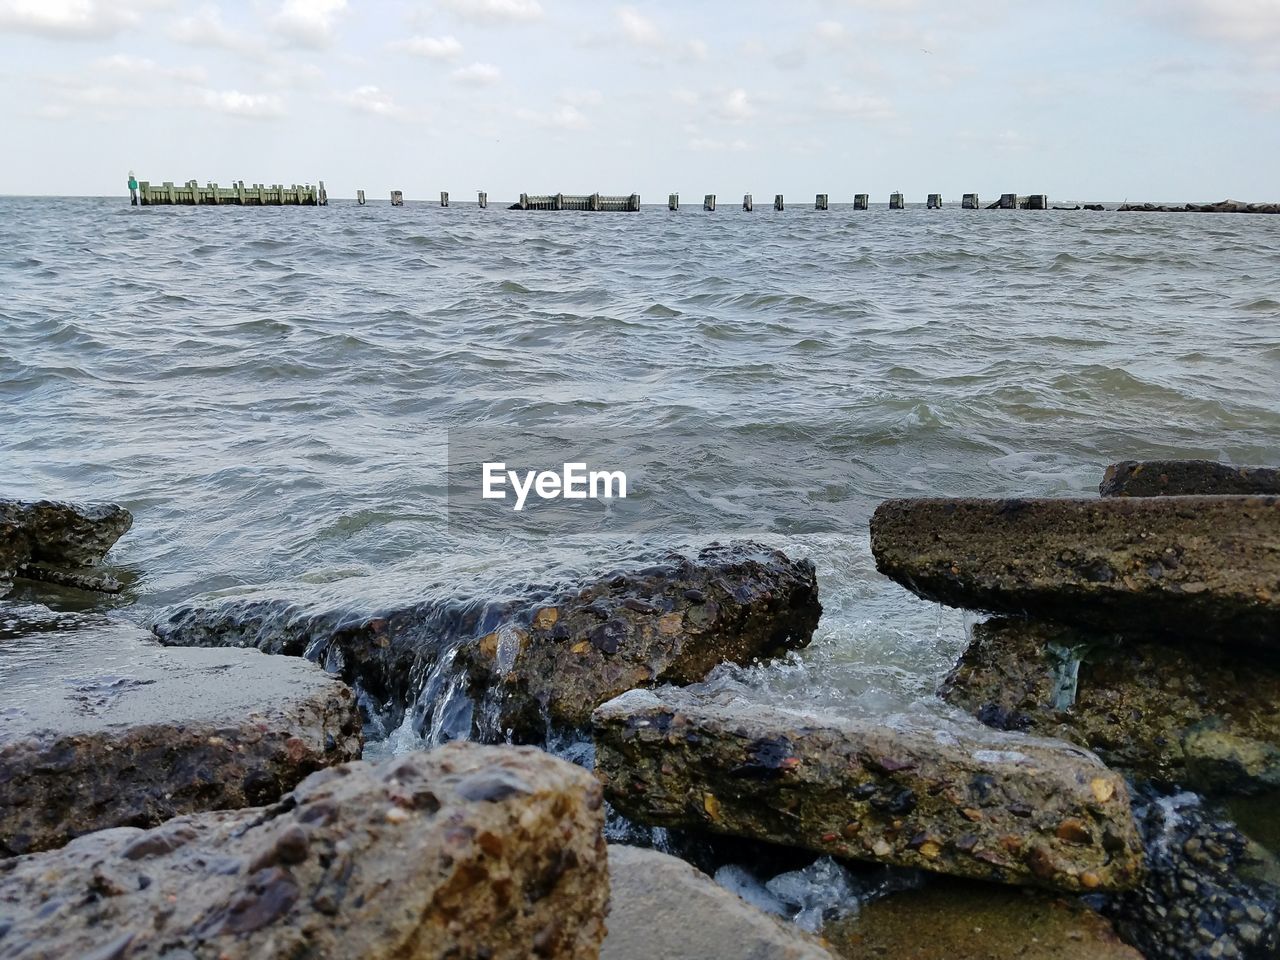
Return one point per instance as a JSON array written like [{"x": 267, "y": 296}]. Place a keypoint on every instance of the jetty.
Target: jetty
[
  {"x": 566, "y": 201},
  {"x": 191, "y": 194}
]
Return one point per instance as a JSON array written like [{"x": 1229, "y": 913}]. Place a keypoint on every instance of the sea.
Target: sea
[{"x": 273, "y": 392}]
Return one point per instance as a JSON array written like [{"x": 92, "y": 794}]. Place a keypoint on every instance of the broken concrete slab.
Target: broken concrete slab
[
  {"x": 102, "y": 727},
  {"x": 466, "y": 851},
  {"x": 1183, "y": 478},
  {"x": 52, "y": 536},
  {"x": 662, "y": 907},
  {"x": 551, "y": 656},
  {"x": 1201, "y": 717},
  {"x": 1203, "y": 567},
  {"x": 931, "y": 795}
]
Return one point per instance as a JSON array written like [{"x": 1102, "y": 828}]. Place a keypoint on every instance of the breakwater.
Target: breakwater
[{"x": 191, "y": 194}]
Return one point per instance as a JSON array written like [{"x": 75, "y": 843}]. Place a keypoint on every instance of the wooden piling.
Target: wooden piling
[
  {"x": 746, "y": 202},
  {"x": 935, "y": 202},
  {"x": 709, "y": 202},
  {"x": 777, "y": 202},
  {"x": 397, "y": 198},
  {"x": 211, "y": 194},
  {"x": 861, "y": 201},
  {"x": 970, "y": 202},
  {"x": 483, "y": 200},
  {"x": 820, "y": 202},
  {"x": 673, "y": 201},
  {"x": 895, "y": 202}
]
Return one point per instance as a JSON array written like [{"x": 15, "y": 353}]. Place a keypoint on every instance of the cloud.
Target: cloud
[
  {"x": 568, "y": 118},
  {"x": 858, "y": 106},
  {"x": 581, "y": 98},
  {"x": 478, "y": 75},
  {"x": 1246, "y": 23},
  {"x": 495, "y": 11},
  {"x": 711, "y": 145},
  {"x": 639, "y": 28},
  {"x": 143, "y": 68},
  {"x": 255, "y": 106},
  {"x": 206, "y": 29},
  {"x": 736, "y": 106},
  {"x": 372, "y": 100},
  {"x": 308, "y": 23},
  {"x": 833, "y": 32},
  {"x": 69, "y": 19},
  {"x": 644, "y": 32},
  {"x": 433, "y": 48}
]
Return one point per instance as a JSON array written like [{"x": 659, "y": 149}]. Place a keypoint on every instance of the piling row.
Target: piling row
[{"x": 254, "y": 195}]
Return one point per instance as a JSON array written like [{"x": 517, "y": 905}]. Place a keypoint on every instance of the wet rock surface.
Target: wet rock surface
[
  {"x": 1222, "y": 206},
  {"x": 1183, "y": 478},
  {"x": 1197, "y": 901},
  {"x": 1202, "y": 718},
  {"x": 1200, "y": 567},
  {"x": 552, "y": 655},
  {"x": 102, "y": 727},
  {"x": 46, "y": 539},
  {"x": 664, "y": 909},
  {"x": 967, "y": 920},
  {"x": 671, "y": 623},
  {"x": 1001, "y": 807},
  {"x": 463, "y": 852}
]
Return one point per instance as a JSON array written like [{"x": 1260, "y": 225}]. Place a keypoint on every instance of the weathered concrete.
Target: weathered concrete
[
  {"x": 667, "y": 624},
  {"x": 1206, "y": 567},
  {"x": 1182, "y": 478},
  {"x": 966, "y": 920},
  {"x": 64, "y": 535},
  {"x": 464, "y": 852},
  {"x": 102, "y": 727},
  {"x": 551, "y": 655},
  {"x": 949, "y": 800},
  {"x": 663, "y": 909},
  {"x": 1203, "y": 718}
]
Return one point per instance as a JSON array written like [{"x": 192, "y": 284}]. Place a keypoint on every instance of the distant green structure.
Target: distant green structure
[
  {"x": 254, "y": 195},
  {"x": 133, "y": 189}
]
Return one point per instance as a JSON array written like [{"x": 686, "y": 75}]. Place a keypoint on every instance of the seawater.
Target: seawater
[{"x": 269, "y": 390}]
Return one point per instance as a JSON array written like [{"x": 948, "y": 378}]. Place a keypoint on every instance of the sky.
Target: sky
[{"x": 1166, "y": 100}]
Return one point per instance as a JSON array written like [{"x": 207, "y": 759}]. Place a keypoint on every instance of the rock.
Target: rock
[
  {"x": 1202, "y": 718},
  {"x": 551, "y": 656},
  {"x": 62, "y": 534},
  {"x": 1196, "y": 902},
  {"x": 464, "y": 852},
  {"x": 966, "y": 920},
  {"x": 102, "y": 727},
  {"x": 952, "y": 800},
  {"x": 1181, "y": 478},
  {"x": 1203, "y": 567},
  {"x": 1094, "y": 206},
  {"x": 663, "y": 909}
]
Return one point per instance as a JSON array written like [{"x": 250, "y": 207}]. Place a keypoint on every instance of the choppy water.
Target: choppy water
[{"x": 269, "y": 390}]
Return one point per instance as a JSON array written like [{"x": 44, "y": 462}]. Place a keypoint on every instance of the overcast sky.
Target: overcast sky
[{"x": 1097, "y": 99}]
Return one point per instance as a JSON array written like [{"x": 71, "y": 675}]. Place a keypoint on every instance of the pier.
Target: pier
[
  {"x": 191, "y": 194},
  {"x": 596, "y": 202},
  {"x": 145, "y": 193}
]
